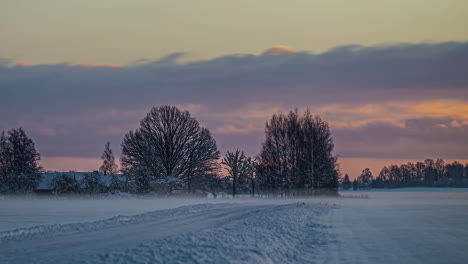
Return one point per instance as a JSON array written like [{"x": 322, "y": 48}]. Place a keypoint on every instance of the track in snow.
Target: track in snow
[{"x": 199, "y": 233}]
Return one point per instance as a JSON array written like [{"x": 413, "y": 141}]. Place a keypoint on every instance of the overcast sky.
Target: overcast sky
[{"x": 390, "y": 76}]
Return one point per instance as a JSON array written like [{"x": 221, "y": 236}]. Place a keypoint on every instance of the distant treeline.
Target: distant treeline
[{"x": 427, "y": 173}]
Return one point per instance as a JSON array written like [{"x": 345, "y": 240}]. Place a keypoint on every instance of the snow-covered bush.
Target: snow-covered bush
[
  {"x": 166, "y": 185},
  {"x": 23, "y": 182},
  {"x": 92, "y": 183},
  {"x": 65, "y": 184},
  {"x": 117, "y": 185},
  {"x": 119, "y": 195},
  {"x": 208, "y": 183}
]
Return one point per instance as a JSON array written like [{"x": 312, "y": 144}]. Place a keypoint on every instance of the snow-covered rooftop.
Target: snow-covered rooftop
[{"x": 46, "y": 178}]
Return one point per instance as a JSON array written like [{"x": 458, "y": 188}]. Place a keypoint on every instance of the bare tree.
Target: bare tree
[
  {"x": 296, "y": 156},
  {"x": 250, "y": 174},
  {"x": 240, "y": 169},
  {"x": 108, "y": 161},
  {"x": 169, "y": 143},
  {"x": 366, "y": 176}
]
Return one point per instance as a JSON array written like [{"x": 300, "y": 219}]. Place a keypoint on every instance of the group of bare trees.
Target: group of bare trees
[
  {"x": 171, "y": 146},
  {"x": 429, "y": 173},
  {"x": 296, "y": 157},
  {"x": 172, "y": 151},
  {"x": 424, "y": 173}
]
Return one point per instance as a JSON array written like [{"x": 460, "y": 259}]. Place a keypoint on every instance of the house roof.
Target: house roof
[{"x": 47, "y": 178}]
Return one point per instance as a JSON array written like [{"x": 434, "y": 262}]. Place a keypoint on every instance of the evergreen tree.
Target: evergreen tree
[
  {"x": 355, "y": 185},
  {"x": 346, "y": 184},
  {"x": 466, "y": 171},
  {"x": 108, "y": 161},
  {"x": 19, "y": 168},
  {"x": 5, "y": 162}
]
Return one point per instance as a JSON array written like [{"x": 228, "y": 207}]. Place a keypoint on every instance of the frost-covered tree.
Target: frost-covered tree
[
  {"x": 92, "y": 183},
  {"x": 108, "y": 161},
  {"x": 169, "y": 143},
  {"x": 65, "y": 184},
  {"x": 19, "y": 168}
]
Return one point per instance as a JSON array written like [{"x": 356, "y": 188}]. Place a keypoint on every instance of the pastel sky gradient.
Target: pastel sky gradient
[
  {"x": 391, "y": 77},
  {"x": 122, "y": 31}
]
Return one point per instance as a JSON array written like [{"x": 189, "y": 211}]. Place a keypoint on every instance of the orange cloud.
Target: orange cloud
[
  {"x": 94, "y": 65},
  {"x": 443, "y": 108},
  {"x": 354, "y": 116},
  {"x": 25, "y": 64},
  {"x": 47, "y": 131},
  {"x": 233, "y": 129},
  {"x": 85, "y": 65},
  {"x": 455, "y": 123},
  {"x": 361, "y": 123},
  {"x": 278, "y": 50}
]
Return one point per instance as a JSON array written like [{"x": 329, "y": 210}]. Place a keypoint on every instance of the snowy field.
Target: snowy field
[{"x": 406, "y": 226}]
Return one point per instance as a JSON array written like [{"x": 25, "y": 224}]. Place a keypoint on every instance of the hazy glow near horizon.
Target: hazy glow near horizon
[
  {"x": 120, "y": 31},
  {"x": 352, "y": 166}
]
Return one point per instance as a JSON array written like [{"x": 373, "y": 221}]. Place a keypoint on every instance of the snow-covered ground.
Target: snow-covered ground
[
  {"x": 387, "y": 227},
  {"x": 28, "y": 212}
]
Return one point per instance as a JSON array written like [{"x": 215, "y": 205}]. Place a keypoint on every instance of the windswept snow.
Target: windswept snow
[
  {"x": 21, "y": 213},
  {"x": 386, "y": 227},
  {"x": 400, "y": 227},
  {"x": 216, "y": 233}
]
